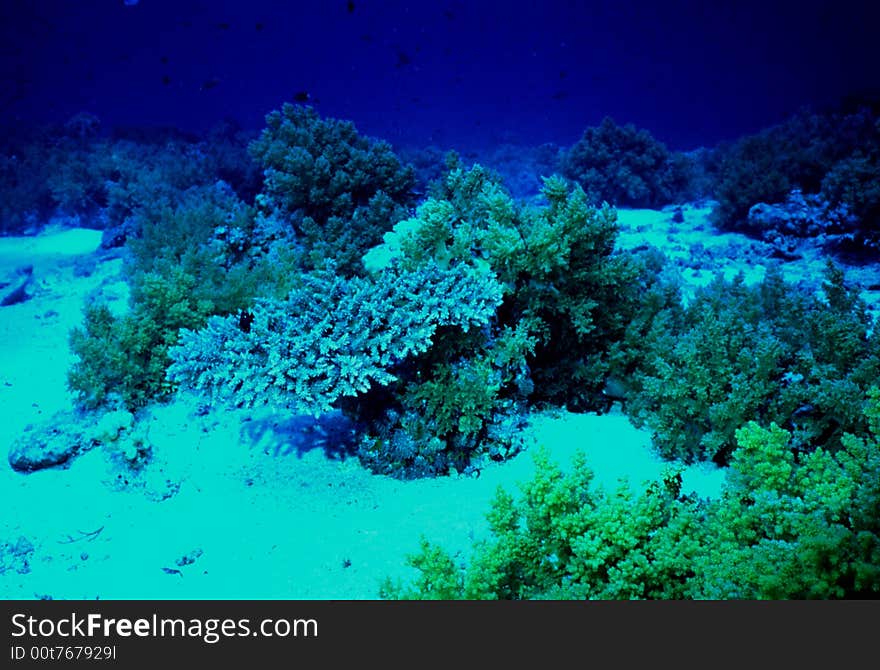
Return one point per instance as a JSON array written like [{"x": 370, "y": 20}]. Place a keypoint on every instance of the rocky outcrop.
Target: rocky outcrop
[
  {"x": 14, "y": 288},
  {"x": 70, "y": 432},
  {"x": 801, "y": 217},
  {"x": 15, "y": 555},
  {"x": 49, "y": 444}
]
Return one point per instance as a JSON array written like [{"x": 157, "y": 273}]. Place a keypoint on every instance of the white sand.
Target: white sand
[{"x": 268, "y": 526}]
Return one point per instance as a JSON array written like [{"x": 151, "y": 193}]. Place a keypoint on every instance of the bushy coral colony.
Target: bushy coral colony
[
  {"x": 335, "y": 188},
  {"x": 788, "y": 524},
  {"x": 300, "y": 269}
]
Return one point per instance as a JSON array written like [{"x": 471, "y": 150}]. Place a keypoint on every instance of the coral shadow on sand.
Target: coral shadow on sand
[{"x": 298, "y": 434}]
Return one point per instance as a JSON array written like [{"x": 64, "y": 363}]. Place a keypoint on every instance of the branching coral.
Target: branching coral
[{"x": 332, "y": 338}]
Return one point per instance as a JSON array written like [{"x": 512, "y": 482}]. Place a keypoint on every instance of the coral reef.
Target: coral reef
[
  {"x": 75, "y": 171},
  {"x": 469, "y": 308}
]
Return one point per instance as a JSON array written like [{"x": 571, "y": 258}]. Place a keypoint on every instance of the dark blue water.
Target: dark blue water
[{"x": 451, "y": 73}]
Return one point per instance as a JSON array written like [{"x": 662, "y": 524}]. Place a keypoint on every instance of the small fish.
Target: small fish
[
  {"x": 245, "y": 319},
  {"x": 259, "y": 27},
  {"x": 208, "y": 85},
  {"x": 166, "y": 80},
  {"x": 403, "y": 59},
  {"x": 302, "y": 96},
  {"x": 804, "y": 410},
  {"x": 223, "y": 25},
  {"x": 615, "y": 389},
  {"x": 350, "y": 6}
]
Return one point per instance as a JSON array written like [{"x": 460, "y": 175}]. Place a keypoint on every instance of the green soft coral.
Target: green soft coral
[
  {"x": 567, "y": 538},
  {"x": 625, "y": 166},
  {"x": 122, "y": 359},
  {"x": 787, "y": 528}
]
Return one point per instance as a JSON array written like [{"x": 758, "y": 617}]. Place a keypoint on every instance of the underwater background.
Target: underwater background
[{"x": 356, "y": 300}]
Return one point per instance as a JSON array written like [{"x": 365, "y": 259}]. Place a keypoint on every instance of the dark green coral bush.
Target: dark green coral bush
[
  {"x": 797, "y": 153},
  {"x": 785, "y": 526},
  {"x": 626, "y": 166},
  {"x": 770, "y": 352},
  {"x": 568, "y": 298},
  {"x": 565, "y": 284},
  {"x": 340, "y": 190},
  {"x": 855, "y": 182},
  {"x": 46, "y": 169},
  {"x": 853, "y": 185},
  {"x": 121, "y": 360}
]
